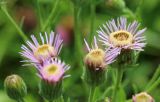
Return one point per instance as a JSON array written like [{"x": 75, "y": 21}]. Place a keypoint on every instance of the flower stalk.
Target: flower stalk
[
  {"x": 92, "y": 17},
  {"x": 51, "y": 16},
  {"x": 91, "y": 94},
  {"x": 78, "y": 38},
  {"x": 20, "y": 32},
  {"x": 119, "y": 75}
]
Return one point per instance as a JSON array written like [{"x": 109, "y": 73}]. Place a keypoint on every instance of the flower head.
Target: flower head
[
  {"x": 142, "y": 97},
  {"x": 52, "y": 70},
  {"x": 38, "y": 52},
  {"x": 15, "y": 87},
  {"x": 97, "y": 57},
  {"x": 122, "y": 36}
]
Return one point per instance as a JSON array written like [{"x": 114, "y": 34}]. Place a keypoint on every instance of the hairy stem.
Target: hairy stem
[
  {"x": 39, "y": 14},
  {"x": 92, "y": 17},
  {"x": 91, "y": 94},
  {"x": 154, "y": 85},
  {"x": 78, "y": 36},
  {"x": 51, "y": 16},
  {"x": 20, "y": 32},
  {"x": 119, "y": 75}
]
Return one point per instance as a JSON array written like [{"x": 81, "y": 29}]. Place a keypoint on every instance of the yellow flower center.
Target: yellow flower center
[
  {"x": 95, "y": 58},
  {"x": 44, "y": 50},
  {"x": 143, "y": 97},
  {"x": 121, "y": 38},
  {"x": 51, "y": 69}
]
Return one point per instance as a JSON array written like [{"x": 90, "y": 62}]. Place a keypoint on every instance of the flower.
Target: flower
[
  {"x": 36, "y": 53},
  {"x": 95, "y": 61},
  {"x": 142, "y": 97},
  {"x": 15, "y": 87},
  {"x": 51, "y": 74},
  {"x": 52, "y": 70},
  {"x": 121, "y": 36},
  {"x": 97, "y": 57}
]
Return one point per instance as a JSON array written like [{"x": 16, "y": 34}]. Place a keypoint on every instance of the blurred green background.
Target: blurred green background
[{"x": 26, "y": 14}]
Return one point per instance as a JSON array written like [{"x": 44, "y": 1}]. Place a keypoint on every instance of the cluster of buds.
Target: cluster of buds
[{"x": 44, "y": 56}]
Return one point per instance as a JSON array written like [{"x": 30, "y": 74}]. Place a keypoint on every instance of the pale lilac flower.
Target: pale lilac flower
[
  {"x": 97, "y": 57},
  {"x": 52, "y": 70},
  {"x": 142, "y": 97},
  {"x": 36, "y": 52},
  {"x": 121, "y": 35}
]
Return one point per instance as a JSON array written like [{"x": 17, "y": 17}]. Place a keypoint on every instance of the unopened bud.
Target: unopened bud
[{"x": 15, "y": 87}]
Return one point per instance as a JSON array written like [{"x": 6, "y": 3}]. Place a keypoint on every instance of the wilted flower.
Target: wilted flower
[
  {"x": 96, "y": 60},
  {"x": 38, "y": 52},
  {"x": 15, "y": 87},
  {"x": 51, "y": 74},
  {"x": 142, "y": 97},
  {"x": 125, "y": 38},
  {"x": 122, "y": 36}
]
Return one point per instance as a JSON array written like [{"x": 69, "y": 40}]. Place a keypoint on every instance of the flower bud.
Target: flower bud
[
  {"x": 142, "y": 97},
  {"x": 15, "y": 87},
  {"x": 50, "y": 90}
]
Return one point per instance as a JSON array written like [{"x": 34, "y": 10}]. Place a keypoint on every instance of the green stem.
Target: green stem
[
  {"x": 105, "y": 92},
  {"x": 92, "y": 16},
  {"x": 21, "y": 100},
  {"x": 155, "y": 76},
  {"x": 51, "y": 16},
  {"x": 20, "y": 32},
  {"x": 39, "y": 14},
  {"x": 154, "y": 85},
  {"x": 91, "y": 94},
  {"x": 119, "y": 75},
  {"x": 78, "y": 36}
]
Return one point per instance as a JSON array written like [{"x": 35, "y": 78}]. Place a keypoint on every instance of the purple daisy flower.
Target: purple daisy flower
[
  {"x": 97, "y": 58},
  {"x": 36, "y": 53},
  {"x": 52, "y": 70},
  {"x": 120, "y": 35}
]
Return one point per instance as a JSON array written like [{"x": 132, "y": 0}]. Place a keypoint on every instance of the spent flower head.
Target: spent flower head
[
  {"x": 36, "y": 52},
  {"x": 119, "y": 34},
  {"x": 98, "y": 58},
  {"x": 142, "y": 97},
  {"x": 95, "y": 61}
]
